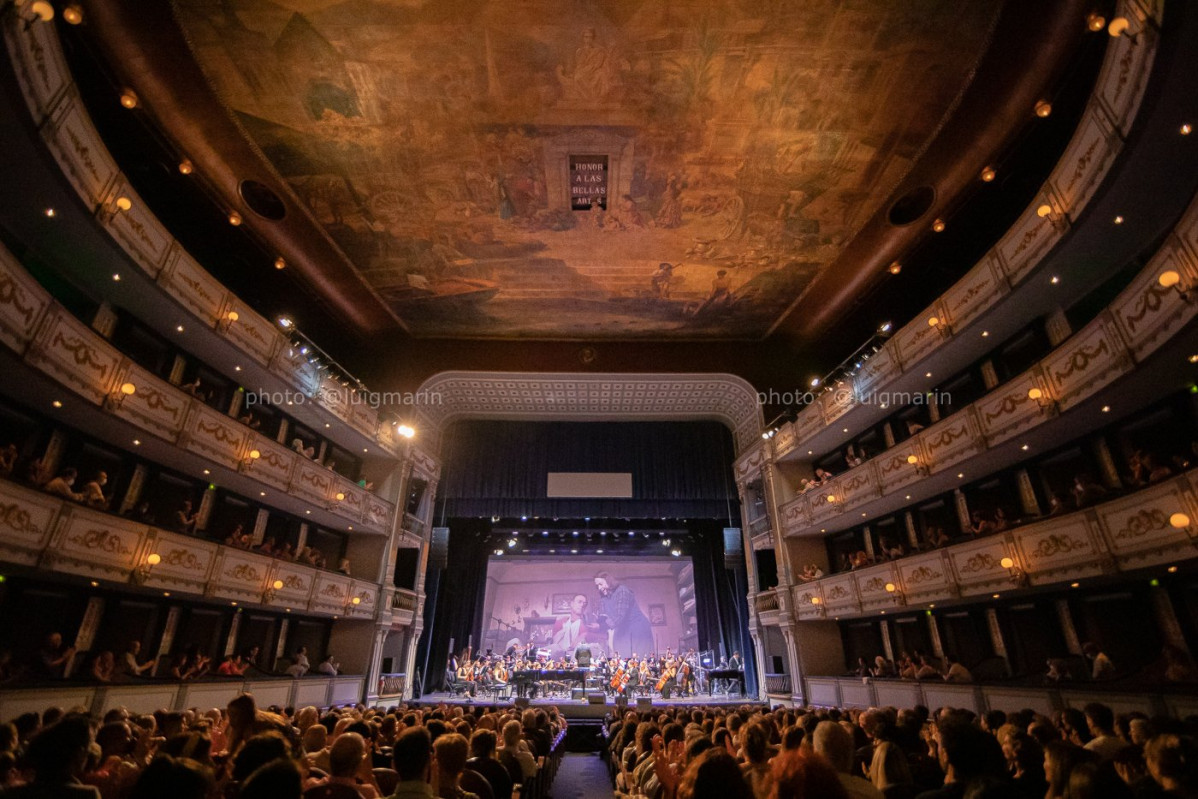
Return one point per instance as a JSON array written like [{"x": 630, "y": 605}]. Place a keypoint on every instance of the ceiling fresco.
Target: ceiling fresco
[{"x": 629, "y": 168}]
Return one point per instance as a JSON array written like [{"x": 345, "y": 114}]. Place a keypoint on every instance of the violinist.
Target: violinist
[{"x": 465, "y": 676}]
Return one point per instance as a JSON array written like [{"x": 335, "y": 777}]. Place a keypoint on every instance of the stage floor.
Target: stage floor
[{"x": 585, "y": 709}]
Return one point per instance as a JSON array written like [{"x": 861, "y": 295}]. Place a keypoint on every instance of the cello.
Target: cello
[{"x": 668, "y": 673}]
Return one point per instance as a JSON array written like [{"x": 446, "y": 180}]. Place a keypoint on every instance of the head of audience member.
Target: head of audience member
[
  {"x": 277, "y": 779},
  {"x": 835, "y": 744},
  {"x": 968, "y": 753},
  {"x": 804, "y": 775},
  {"x": 1173, "y": 762},
  {"x": 257, "y": 752},
  {"x": 413, "y": 755},
  {"x": 482, "y": 744},
  {"x": 58, "y": 754},
  {"x": 714, "y": 774},
  {"x": 346, "y": 754},
  {"x": 176, "y": 777},
  {"x": 1097, "y": 780},
  {"x": 1060, "y": 759}
]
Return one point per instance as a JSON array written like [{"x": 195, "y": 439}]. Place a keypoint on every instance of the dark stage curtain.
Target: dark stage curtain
[
  {"x": 721, "y": 604},
  {"x": 679, "y": 470},
  {"x": 456, "y": 610}
]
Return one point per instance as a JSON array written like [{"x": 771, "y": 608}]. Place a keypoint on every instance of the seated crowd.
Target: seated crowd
[
  {"x": 753, "y": 753},
  {"x": 244, "y": 752}
]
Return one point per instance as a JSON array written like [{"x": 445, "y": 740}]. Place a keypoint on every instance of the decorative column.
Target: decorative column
[
  {"x": 933, "y": 408},
  {"x": 53, "y": 454},
  {"x": 759, "y": 651},
  {"x": 260, "y": 526},
  {"x": 750, "y": 562},
  {"x": 374, "y": 673},
  {"x": 934, "y": 635},
  {"x": 301, "y": 540},
  {"x": 793, "y": 663},
  {"x": 236, "y": 403},
  {"x": 996, "y": 639},
  {"x": 87, "y": 631},
  {"x": 1166, "y": 618},
  {"x": 104, "y": 322},
  {"x": 912, "y": 533},
  {"x": 133, "y": 493},
  {"x": 1072, "y": 642},
  {"x": 989, "y": 375},
  {"x": 234, "y": 627},
  {"x": 962, "y": 509},
  {"x": 179, "y": 366},
  {"x": 281, "y": 644},
  {"x": 868, "y": 539},
  {"x": 768, "y": 474},
  {"x": 887, "y": 646},
  {"x": 207, "y": 502},
  {"x": 888, "y": 435},
  {"x": 284, "y": 428},
  {"x": 1106, "y": 462},
  {"x": 168, "y": 637},
  {"x": 1057, "y": 326},
  {"x": 1027, "y": 494}
]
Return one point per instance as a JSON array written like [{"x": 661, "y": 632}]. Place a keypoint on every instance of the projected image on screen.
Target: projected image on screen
[{"x": 552, "y": 605}]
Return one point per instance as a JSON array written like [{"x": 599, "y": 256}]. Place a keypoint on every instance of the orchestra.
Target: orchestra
[{"x": 532, "y": 672}]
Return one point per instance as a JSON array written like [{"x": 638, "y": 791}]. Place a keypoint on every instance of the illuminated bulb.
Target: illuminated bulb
[
  {"x": 255, "y": 454},
  {"x": 815, "y": 600},
  {"x": 895, "y": 268},
  {"x": 938, "y": 226},
  {"x": 1193, "y": 359},
  {"x": 186, "y": 167},
  {"x": 891, "y": 588},
  {"x": 1043, "y": 109},
  {"x": 912, "y": 459},
  {"x": 1118, "y": 26},
  {"x": 137, "y": 442},
  {"x": 232, "y": 316},
  {"x": 1055, "y": 280},
  {"x": 1095, "y": 21},
  {"x": 933, "y": 321},
  {"x": 117, "y": 277},
  {"x": 56, "y": 404},
  {"x": 1172, "y": 570},
  {"x": 128, "y": 389},
  {"x": 831, "y": 497},
  {"x": 1169, "y": 278},
  {"x": 43, "y": 9},
  {"x": 234, "y": 218},
  {"x": 1118, "y": 220},
  {"x": 357, "y": 600},
  {"x": 278, "y": 584},
  {"x": 124, "y": 203},
  {"x": 1106, "y": 408},
  {"x": 280, "y": 263},
  {"x": 1044, "y": 210},
  {"x": 1006, "y": 563},
  {"x": 988, "y": 174},
  {"x": 129, "y": 98},
  {"x": 1034, "y": 393},
  {"x": 1074, "y": 585},
  {"x": 406, "y": 431},
  {"x": 73, "y": 14},
  {"x": 340, "y": 495},
  {"x": 1186, "y": 129},
  {"x": 50, "y": 212},
  {"x": 1179, "y": 521},
  {"x": 154, "y": 559}
]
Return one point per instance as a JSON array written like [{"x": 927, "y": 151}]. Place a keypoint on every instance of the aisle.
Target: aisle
[{"x": 581, "y": 775}]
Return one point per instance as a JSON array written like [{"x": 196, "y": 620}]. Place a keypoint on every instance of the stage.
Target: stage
[{"x": 586, "y": 709}]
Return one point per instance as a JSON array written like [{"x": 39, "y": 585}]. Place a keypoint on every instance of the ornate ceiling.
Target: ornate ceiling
[{"x": 620, "y": 169}]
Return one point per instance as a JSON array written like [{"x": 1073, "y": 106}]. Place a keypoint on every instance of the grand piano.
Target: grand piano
[{"x": 527, "y": 679}]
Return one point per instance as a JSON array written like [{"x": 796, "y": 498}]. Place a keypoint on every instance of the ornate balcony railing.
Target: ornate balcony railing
[
  {"x": 1152, "y": 526},
  {"x": 777, "y": 684}
]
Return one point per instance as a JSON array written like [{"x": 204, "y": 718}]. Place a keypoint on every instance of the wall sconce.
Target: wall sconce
[
  {"x": 248, "y": 461},
  {"x": 227, "y": 321},
  {"x": 352, "y": 604},
  {"x": 896, "y": 593},
  {"x": 338, "y": 498},
  {"x": 939, "y": 325},
  {"x": 1095, "y": 22},
  {"x": 1123, "y": 26},
  {"x": 1179, "y": 521},
  {"x": 1171, "y": 279},
  {"x": 920, "y": 468},
  {"x": 269, "y": 593},
  {"x": 37, "y": 11},
  {"x": 115, "y": 399},
  {"x": 1054, "y": 215},
  {"x": 1037, "y": 395},
  {"x": 142, "y": 573},
  {"x": 1018, "y": 575},
  {"x": 816, "y": 601}
]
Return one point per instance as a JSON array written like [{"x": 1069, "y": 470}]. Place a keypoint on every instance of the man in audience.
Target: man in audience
[
  {"x": 483, "y": 760},
  {"x": 93, "y": 492},
  {"x": 62, "y": 485},
  {"x": 956, "y": 672},
  {"x": 129, "y": 665},
  {"x": 1101, "y": 721},
  {"x": 1101, "y": 666},
  {"x": 966, "y": 753},
  {"x": 53, "y": 657},
  {"x": 836, "y": 744},
  {"x": 413, "y": 756},
  {"x": 451, "y": 751},
  {"x": 348, "y": 766}
]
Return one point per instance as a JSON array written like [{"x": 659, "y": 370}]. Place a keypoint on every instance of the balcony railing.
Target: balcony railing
[
  {"x": 766, "y": 601},
  {"x": 37, "y": 529},
  {"x": 1141, "y": 319},
  {"x": 68, "y": 351},
  {"x": 1152, "y": 526},
  {"x": 777, "y": 684},
  {"x": 391, "y": 685},
  {"x": 403, "y": 599}
]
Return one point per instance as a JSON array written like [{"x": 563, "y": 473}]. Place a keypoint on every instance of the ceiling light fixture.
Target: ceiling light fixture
[
  {"x": 895, "y": 268},
  {"x": 988, "y": 174},
  {"x": 1043, "y": 109},
  {"x": 129, "y": 99},
  {"x": 1186, "y": 129},
  {"x": 280, "y": 263},
  {"x": 186, "y": 167},
  {"x": 72, "y": 14},
  {"x": 1095, "y": 21},
  {"x": 938, "y": 226},
  {"x": 234, "y": 218}
]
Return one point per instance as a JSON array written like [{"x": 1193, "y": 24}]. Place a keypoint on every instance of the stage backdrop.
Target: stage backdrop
[{"x": 530, "y": 600}]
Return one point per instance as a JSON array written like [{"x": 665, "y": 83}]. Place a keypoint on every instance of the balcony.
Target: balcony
[
  {"x": 1142, "y": 319},
  {"x": 1153, "y": 526},
  {"x": 403, "y": 606},
  {"x": 69, "y": 352},
  {"x": 856, "y": 692},
  {"x": 39, "y": 530},
  {"x": 777, "y": 685}
]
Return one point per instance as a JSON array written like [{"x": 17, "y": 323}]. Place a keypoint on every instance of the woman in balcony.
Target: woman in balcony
[
  {"x": 190, "y": 664},
  {"x": 62, "y": 485},
  {"x": 93, "y": 492},
  {"x": 103, "y": 667}
]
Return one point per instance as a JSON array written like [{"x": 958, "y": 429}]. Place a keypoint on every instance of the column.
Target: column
[
  {"x": 373, "y": 675},
  {"x": 284, "y": 429},
  {"x": 888, "y": 435},
  {"x": 1057, "y": 326},
  {"x": 794, "y": 668},
  {"x": 989, "y": 375},
  {"x": 868, "y": 538},
  {"x": 410, "y": 657},
  {"x": 996, "y": 639},
  {"x": 104, "y": 322},
  {"x": 933, "y": 408},
  {"x": 759, "y": 651},
  {"x": 1027, "y": 494},
  {"x": 887, "y": 645},
  {"x": 168, "y": 638},
  {"x": 301, "y": 540},
  {"x": 912, "y": 533},
  {"x": 53, "y": 454},
  {"x": 177, "y": 368},
  {"x": 260, "y": 526},
  {"x": 205, "y": 512},
  {"x": 750, "y": 562},
  {"x": 962, "y": 509},
  {"x": 1106, "y": 464},
  {"x": 231, "y": 641},
  {"x": 934, "y": 634},
  {"x": 1166, "y": 618},
  {"x": 768, "y": 476},
  {"x": 1072, "y": 642},
  {"x": 133, "y": 493},
  {"x": 237, "y": 401},
  {"x": 87, "y": 631}
]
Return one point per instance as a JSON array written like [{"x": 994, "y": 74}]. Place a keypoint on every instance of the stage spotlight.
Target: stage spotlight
[{"x": 676, "y": 552}]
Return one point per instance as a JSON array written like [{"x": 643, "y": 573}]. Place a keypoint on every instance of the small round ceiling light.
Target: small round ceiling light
[
  {"x": 234, "y": 218},
  {"x": 1186, "y": 129},
  {"x": 1044, "y": 210},
  {"x": 1095, "y": 21},
  {"x": 1043, "y": 109},
  {"x": 43, "y": 10},
  {"x": 280, "y": 263},
  {"x": 186, "y": 167},
  {"x": 1118, "y": 26},
  {"x": 1169, "y": 278},
  {"x": 73, "y": 14},
  {"x": 895, "y": 268},
  {"x": 938, "y": 226},
  {"x": 124, "y": 203},
  {"x": 988, "y": 174},
  {"x": 129, "y": 99}
]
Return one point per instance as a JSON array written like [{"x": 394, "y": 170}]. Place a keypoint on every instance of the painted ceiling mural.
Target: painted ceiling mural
[{"x": 590, "y": 168}]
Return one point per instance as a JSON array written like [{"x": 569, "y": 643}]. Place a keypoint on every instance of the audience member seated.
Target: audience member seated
[
  {"x": 1101, "y": 667},
  {"x": 450, "y": 754},
  {"x": 300, "y": 666},
  {"x": 956, "y": 672},
  {"x": 141, "y": 513},
  {"x": 129, "y": 666},
  {"x": 93, "y": 492},
  {"x": 329, "y": 666},
  {"x": 979, "y": 525},
  {"x": 937, "y": 538},
  {"x": 184, "y": 519},
  {"x": 232, "y": 666},
  {"x": 189, "y": 664},
  {"x": 53, "y": 657},
  {"x": 811, "y": 572},
  {"x": 483, "y": 760},
  {"x": 103, "y": 667},
  {"x": 62, "y": 485},
  {"x": 1086, "y": 491},
  {"x": 822, "y": 476},
  {"x": 297, "y": 444}
]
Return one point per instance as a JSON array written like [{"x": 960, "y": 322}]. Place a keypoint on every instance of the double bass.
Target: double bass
[{"x": 668, "y": 673}]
